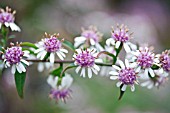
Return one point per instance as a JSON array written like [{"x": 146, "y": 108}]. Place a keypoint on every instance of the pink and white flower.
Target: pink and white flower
[
  {"x": 85, "y": 60},
  {"x": 60, "y": 87},
  {"x": 126, "y": 74},
  {"x": 14, "y": 57},
  {"x": 7, "y": 18},
  {"x": 91, "y": 37},
  {"x": 51, "y": 44},
  {"x": 121, "y": 35}
]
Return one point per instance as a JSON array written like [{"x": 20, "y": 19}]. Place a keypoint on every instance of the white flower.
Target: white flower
[
  {"x": 85, "y": 60},
  {"x": 50, "y": 45}
]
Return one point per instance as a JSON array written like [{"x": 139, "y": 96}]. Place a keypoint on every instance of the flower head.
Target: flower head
[
  {"x": 126, "y": 74},
  {"x": 13, "y": 56},
  {"x": 91, "y": 37},
  {"x": 51, "y": 44},
  {"x": 119, "y": 36},
  {"x": 60, "y": 87},
  {"x": 158, "y": 80},
  {"x": 85, "y": 59},
  {"x": 165, "y": 60},
  {"x": 7, "y": 18},
  {"x": 144, "y": 59}
]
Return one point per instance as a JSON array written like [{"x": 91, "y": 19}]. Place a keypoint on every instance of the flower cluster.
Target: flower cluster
[{"x": 141, "y": 65}]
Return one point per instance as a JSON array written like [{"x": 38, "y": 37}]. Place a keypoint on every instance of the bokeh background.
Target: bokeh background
[{"x": 148, "y": 19}]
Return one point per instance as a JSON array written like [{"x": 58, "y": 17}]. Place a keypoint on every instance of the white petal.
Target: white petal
[
  {"x": 64, "y": 50},
  {"x": 14, "y": 27},
  {"x": 83, "y": 72},
  {"x": 121, "y": 64},
  {"x": 151, "y": 72},
  {"x": 78, "y": 39},
  {"x": 13, "y": 69},
  {"x": 99, "y": 47},
  {"x": 40, "y": 54},
  {"x": 67, "y": 81},
  {"x": 19, "y": 69},
  {"x": 118, "y": 84},
  {"x": 38, "y": 50},
  {"x": 133, "y": 65},
  {"x": 113, "y": 73},
  {"x": 92, "y": 42},
  {"x": 146, "y": 72},
  {"x": 98, "y": 61},
  {"x": 43, "y": 55},
  {"x": 59, "y": 55},
  {"x": 126, "y": 47},
  {"x": 116, "y": 67},
  {"x": 78, "y": 69},
  {"x": 132, "y": 88},
  {"x": 89, "y": 72},
  {"x": 0, "y": 25},
  {"x": 127, "y": 63},
  {"x": 113, "y": 77},
  {"x": 40, "y": 67},
  {"x": 110, "y": 41},
  {"x": 52, "y": 58},
  {"x": 96, "y": 67},
  {"x": 117, "y": 44},
  {"x": 6, "y": 24},
  {"x": 21, "y": 66},
  {"x": 124, "y": 87},
  {"x": 62, "y": 54},
  {"x": 138, "y": 69},
  {"x": 94, "y": 71},
  {"x": 25, "y": 62}
]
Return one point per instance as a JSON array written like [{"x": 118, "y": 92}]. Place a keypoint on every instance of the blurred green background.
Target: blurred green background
[{"x": 148, "y": 19}]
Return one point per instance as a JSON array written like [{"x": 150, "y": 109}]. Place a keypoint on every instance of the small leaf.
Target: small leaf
[
  {"x": 69, "y": 45},
  {"x": 121, "y": 92},
  {"x": 57, "y": 71},
  {"x": 28, "y": 44},
  {"x": 19, "y": 82}
]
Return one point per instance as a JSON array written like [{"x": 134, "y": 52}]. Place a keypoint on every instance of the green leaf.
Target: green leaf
[
  {"x": 121, "y": 92},
  {"x": 19, "y": 82},
  {"x": 57, "y": 71},
  {"x": 69, "y": 45},
  {"x": 28, "y": 44}
]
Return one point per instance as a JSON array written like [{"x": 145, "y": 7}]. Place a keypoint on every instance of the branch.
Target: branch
[{"x": 67, "y": 61}]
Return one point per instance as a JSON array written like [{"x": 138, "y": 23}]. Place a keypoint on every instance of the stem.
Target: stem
[{"x": 67, "y": 61}]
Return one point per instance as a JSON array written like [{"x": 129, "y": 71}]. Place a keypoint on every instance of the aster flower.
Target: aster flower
[
  {"x": 90, "y": 37},
  {"x": 60, "y": 87},
  {"x": 126, "y": 74},
  {"x": 85, "y": 60},
  {"x": 158, "y": 80},
  {"x": 121, "y": 35},
  {"x": 7, "y": 18},
  {"x": 165, "y": 60},
  {"x": 144, "y": 59},
  {"x": 13, "y": 57},
  {"x": 51, "y": 44}
]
